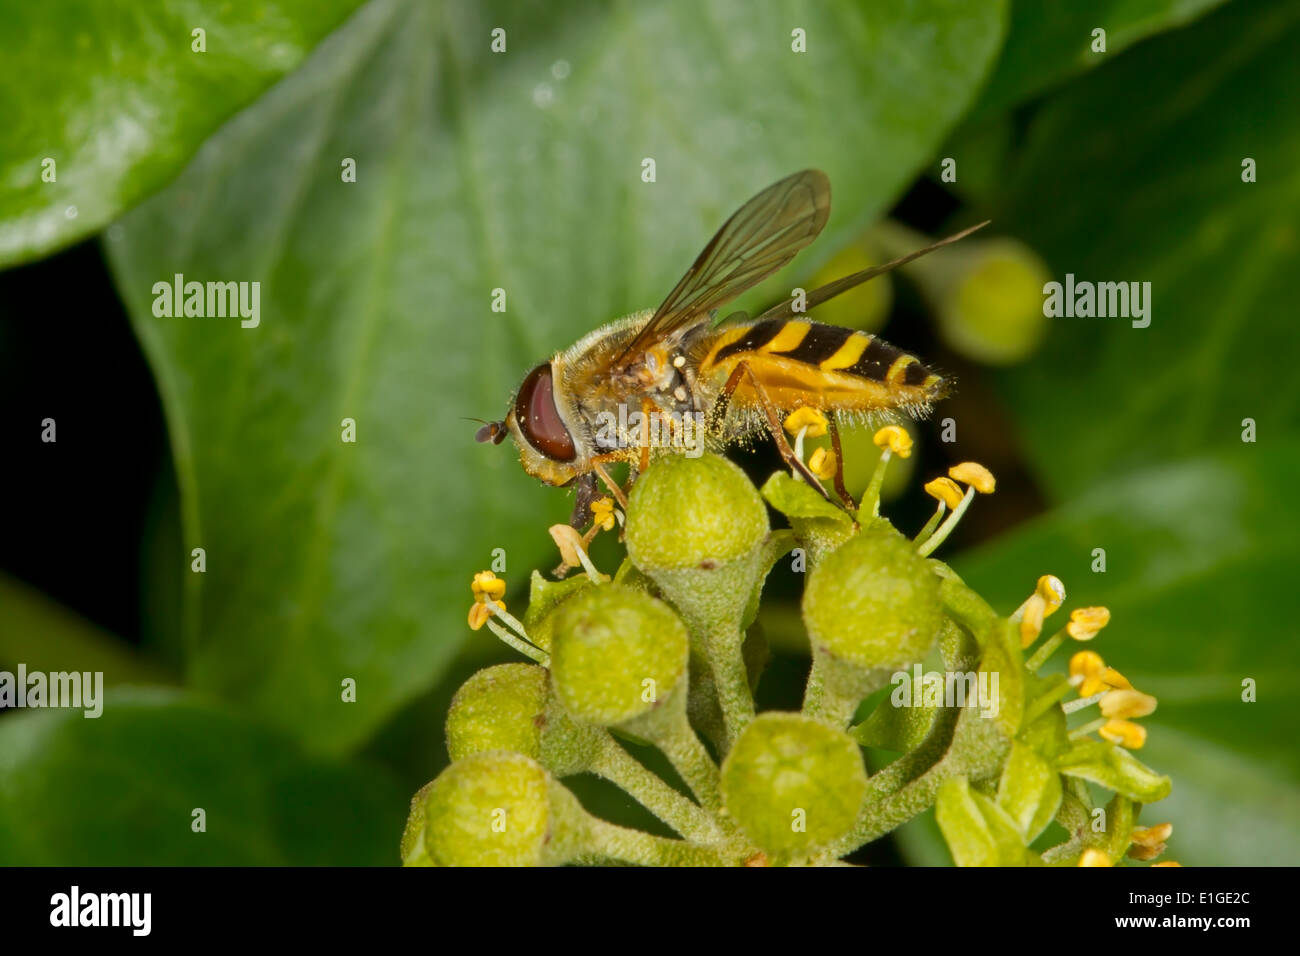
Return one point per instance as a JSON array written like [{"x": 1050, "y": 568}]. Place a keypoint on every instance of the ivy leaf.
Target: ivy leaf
[
  {"x": 1163, "y": 201},
  {"x": 105, "y": 100},
  {"x": 475, "y": 171},
  {"x": 1048, "y": 42},
  {"x": 125, "y": 785}
]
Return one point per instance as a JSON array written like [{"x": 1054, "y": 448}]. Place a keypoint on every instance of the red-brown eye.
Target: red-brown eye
[{"x": 538, "y": 418}]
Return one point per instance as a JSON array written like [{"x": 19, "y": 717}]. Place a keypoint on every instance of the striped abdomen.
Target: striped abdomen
[{"x": 800, "y": 362}]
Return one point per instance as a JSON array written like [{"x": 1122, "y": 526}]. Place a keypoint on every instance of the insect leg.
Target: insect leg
[
  {"x": 646, "y": 406},
  {"x": 773, "y": 424},
  {"x": 610, "y": 483},
  {"x": 840, "y": 488},
  {"x": 586, "y": 492}
]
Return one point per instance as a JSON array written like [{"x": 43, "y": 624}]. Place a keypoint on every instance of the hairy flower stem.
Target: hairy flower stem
[
  {"x": 604, "y": 840},
  {"x": 721, "y": 643},
  {"x": 692, "y": 762},
  {"x": 732, "y": 683},
  {"x": 835, "y": 689},
  {"x": 627, "y": 773},
  {"x": 669, "y": 729}
]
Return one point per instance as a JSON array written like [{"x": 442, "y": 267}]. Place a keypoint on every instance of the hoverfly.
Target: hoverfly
[{"x": 674, "y": 367}]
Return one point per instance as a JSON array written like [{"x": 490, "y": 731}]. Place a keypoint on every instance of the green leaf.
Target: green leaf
[
  {"x": 902, "y": 727},
  {"x": 123, "y": 787},
  {"x": 795, "y": 498},
  {"x": 1115, "y": 769},
  {"x": 1030, "y": 790},
  {"x": 1137, "y": 199},
  {"x": 1200, "y": 559},
  {"x": 475, "y": 171},
  {"x": 977, "y": 830},
  {"x": 115, "y": 95},
  {"x": 1047, "y": 42}
]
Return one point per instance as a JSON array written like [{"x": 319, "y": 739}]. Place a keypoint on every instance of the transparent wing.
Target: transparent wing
[
  {"x": 785, "y": 309},
  {"x": 760, "y": 237}
]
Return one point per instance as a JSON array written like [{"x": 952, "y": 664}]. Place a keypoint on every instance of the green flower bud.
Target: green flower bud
[
  {"x": 412, "y": 845},
  {"x": 497, "y": 709},
  {"x": 873, "y": 602},
  {"x": 986, "y": 293},
  {"x": 692, "y": 512},
  {"x": 504, "y": 809},
  {"x": 793, "y": 784},
  {"x": 698, "y": 528},
  {"x": 993, "y": 312},
  {"x": 618, "y": 653},
  {"x": 500, "y": 809},
  {"x": 512, "y": 707}
]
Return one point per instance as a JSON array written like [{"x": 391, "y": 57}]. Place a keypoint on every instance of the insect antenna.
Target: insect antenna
[{"x": 785, "y": 309}]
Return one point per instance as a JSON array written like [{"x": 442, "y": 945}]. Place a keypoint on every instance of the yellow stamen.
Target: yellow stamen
[
  {"x": 1150, "y": 836},
  {"x": 1031, "y": 621},
  {"x": 1087, "y": 622},
  {"x": 1088, "y": 667},
  {"x": 1168, "y": 863},
  {"x": 487, "y": 585},
  {"x": 1086, "y": 664},
  {"x": 479, "y": 614},
  {"x": 1113, "y": 678},
  {"x": 945, "y": 490},
  {"x": 602, "y": 509},
  {"x": 896, "y": 439},
  {"x": 1127, "y": 734},
  {"x": 1052, "y": 590},
  {"x": 1127, "y": 703},
  {"x": 822, "y": 463},
  {"x": 569, "y": 542},
  {"x": 806, "y": 418},
  {"x": 1145, "y": 853},
  {"x": 1094, "y": 857},
  {"x": 973, "y": 474}
]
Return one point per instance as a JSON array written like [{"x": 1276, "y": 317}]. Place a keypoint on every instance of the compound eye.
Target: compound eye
[{"x": 538, "y": 418}]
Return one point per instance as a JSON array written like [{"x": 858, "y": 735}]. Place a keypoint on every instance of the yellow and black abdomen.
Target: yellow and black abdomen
[{"x": 799, "y": 362}]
